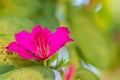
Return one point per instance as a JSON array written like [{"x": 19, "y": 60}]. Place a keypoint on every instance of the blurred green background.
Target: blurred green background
[{"x": 94, "y": 26}]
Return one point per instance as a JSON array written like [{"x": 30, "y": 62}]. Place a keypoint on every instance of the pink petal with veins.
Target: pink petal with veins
[
  {"x": 14, "y": 47},
  {"x": 59, "y": 39},
  {"x": 24, "y": 40}
]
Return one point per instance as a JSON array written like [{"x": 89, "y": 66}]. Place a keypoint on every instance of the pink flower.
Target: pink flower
[
  {"x": 69, "y": 74},
  {"x": 40, "y": 44}
]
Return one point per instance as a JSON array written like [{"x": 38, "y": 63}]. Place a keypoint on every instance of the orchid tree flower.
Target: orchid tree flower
[{"x": 41, "y": 43}]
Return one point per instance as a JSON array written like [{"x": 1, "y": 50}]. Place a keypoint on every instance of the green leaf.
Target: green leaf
[
  {"x": 4, "y": 69},
  {"x": 112, "y": 7},
  {"x": 19, "y": 8},
  {"x": 94, "y": 45},
  {"x": 103, "y": 20},
  {"x": 74, "y": 56},
  {"x": 46, "y": 72},
  {"x": 12, "y": 25},
  {"x": 29, "y": 73},
  {"x": 49, "y": 7},
  {"x": 47, "y": 21},
  {"x": 84, "y": 74}
]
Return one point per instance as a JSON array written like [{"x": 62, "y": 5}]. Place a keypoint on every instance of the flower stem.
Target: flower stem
[{"x": 45, "y": 63}]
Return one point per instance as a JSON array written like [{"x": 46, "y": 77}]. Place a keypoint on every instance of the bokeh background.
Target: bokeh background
[{"x": 94, "y": 26}]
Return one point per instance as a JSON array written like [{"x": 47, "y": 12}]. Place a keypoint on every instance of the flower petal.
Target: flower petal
[
  {"x": 70, "y": 73},
  {"x": 24, "y": 39},
  {"x": 38, "y": 29},
  {"x": 41, "y": 36},
  {"x": 14, "y": 47},
  {"x": 59, "y": 39}
]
